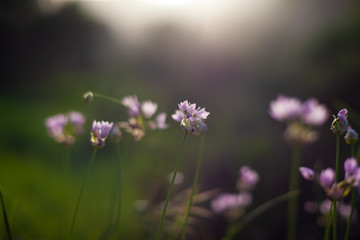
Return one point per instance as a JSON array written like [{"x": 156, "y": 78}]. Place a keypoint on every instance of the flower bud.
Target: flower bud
[
  {"x": 340, "y": 125},
  {"x": 88, "y": 97},
  {"x": 351, "y": 136}
]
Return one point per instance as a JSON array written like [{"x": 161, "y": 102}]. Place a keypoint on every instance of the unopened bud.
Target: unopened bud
[
  {"x": 88, "y": 97},
  {"x": 351, "y": 136}
]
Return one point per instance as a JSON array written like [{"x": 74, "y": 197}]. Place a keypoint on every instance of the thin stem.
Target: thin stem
[
  {"x": 113, "y": 100},
  {"x": 327, "y": 229},
  {"x": 81, "y": 191},
  {"x": 347, "y": 233},
  {"x": 171, "y": 187},
  {"x": 336, "y": 180},
  {"x": 294, "y": 182},
  {"x": 6, "y": 220},
  {"x": 196, "y": 178}
]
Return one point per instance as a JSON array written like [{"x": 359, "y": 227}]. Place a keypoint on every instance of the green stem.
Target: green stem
[
  {"x": 336, "y": 180},
  {"x": 196, "y": 178},
  {"x": 113, "y": 100},
  {"x": 171, "y": 187},
  {"x": 327, "y": 229},
  {"x": 294, "y": 182},
  {"x": 6, "y": 220},
  {"x": 347, "y": 233},
  {"x": 81, "y": 191}
]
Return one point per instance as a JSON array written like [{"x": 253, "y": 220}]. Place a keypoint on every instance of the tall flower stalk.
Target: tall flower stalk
[
  {"x": 300, "y": 117},
  {"x": 98, "y": 135},
  {"x": 191, "y": 119},
  {"x": 196, "y": 178},
  {"x": 351, "y": 138}
]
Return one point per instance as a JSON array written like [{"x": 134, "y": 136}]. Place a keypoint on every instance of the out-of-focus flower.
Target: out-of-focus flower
[
  {"x": 335, "y": 192},
  {"x": 352, "y": 172},
  {"x": 310, "y": 206},
  {"x": 140, "y": 117},
  {"x": 340, "y": 123},
  {"x": 99, "y": 132},
  {"x": 148, "y": 108},
  {"x": 191, "y": 118},
  {"x": 300, "y": 117},
  {"x": 285, "y": 108},
  {"x": 132, "y": 104},
  {"x": 351, "y": 137},
  {"x": 314, "y": 113},
  {"x": 227, "y": 201},
  {"x": 325, "y": 207},
  {"x": 307, "y": 173},
  {"x": 327, "y": 177},
  {"x": 248, "y": 178},
  {"x": 179, "y": 178},
  {"x": 63, "y": 127}
]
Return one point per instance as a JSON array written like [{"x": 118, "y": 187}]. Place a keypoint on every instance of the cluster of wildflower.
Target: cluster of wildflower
[
  {"x": 300, "y": 116},
  {"x": 335, "y": 191},
  {"x": 323, "y": 207},
  {"x": 191, "y": 119},
  {"x": 140, "y": 117},
  {"x": 63, "y": 127},
  {"x": 99, "y": 132},
  {"x": 234, "y": 204}
]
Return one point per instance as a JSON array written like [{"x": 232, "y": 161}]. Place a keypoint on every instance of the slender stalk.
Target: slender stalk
[
  {"x": 294, "y": 182},
  {"x": 6, "y": 220},
  {"x": 171, "y": 187},
  {"x": 327, "y": 229},
  {"x": 113, "y": 100},
  {"x": 81, "y": 191},
  {"x": 196, "y": 178},
  {"x": 336, "y": 180},
  {"x": 347, "y": 233},
  {"x": 119, "y": 188}
]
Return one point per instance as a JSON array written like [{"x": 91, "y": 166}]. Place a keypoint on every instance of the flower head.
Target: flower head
[
  {"x": 191, "y": 118},
  {"x": 63, "y": 127},
  {"x": 352, "y": 172},
  {"x": 230, "y": 201},
  {"x": 340, "y": 123},
  {"x": 314, "y": 113},
  {"x": 248, "y": 178},
  {"x": 132, "y": 104},
  {"x": 99, "y": 133},
  {"x": 148, "y": 108},
  {"x": 327, "y": 177},
  {"x": 351, "y": 137},
  {"x": 307, "y": 173},
  {"x": 285, "y": 108}
]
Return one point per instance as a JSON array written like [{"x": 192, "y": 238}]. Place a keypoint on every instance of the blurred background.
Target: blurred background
[{"x": 232, "y": 57}]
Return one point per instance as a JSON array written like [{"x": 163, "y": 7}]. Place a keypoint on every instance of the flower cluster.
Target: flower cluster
[
  {"x": 233, "y": 204},
  {"x": 140, "y": 117},
  {"x": 63, "y": 127},
  {"x": 301, "y": 117},
  {"x": 191, "y": 118},
  {"x": 99, "y": 132},
  {"x": 335, "y": 191},
  {"x": 340, "y": 124}
]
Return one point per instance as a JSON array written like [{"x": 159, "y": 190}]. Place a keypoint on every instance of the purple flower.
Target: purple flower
[
  {"x": 325, "y": 207},
  {"x": 307, "y": 173},
  {"x": 352, "y": 172},
  {"x": 350, "y": 165},
  {"x": 148, "y": 108},
  {"x": 351, "y": 137},
  {"x": 77, "y": 120},
  {"x": 285, "y": 108},
  {"x": 335, "y": 192},
  {"x": 62, "y": 127},
  {"x": 160, "y": 121},
  {"x": 230, "y": 201},
  {"x": 133, "y": 105},
  {"x": 191, "y": 118},
  {"x": 99, "y": 133},
  {"x": 327, "y": 177},
  {"x": 340, "y": 123},
  {"x": 248, "y": 178},
  {"x": 314, "y": 113}
]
